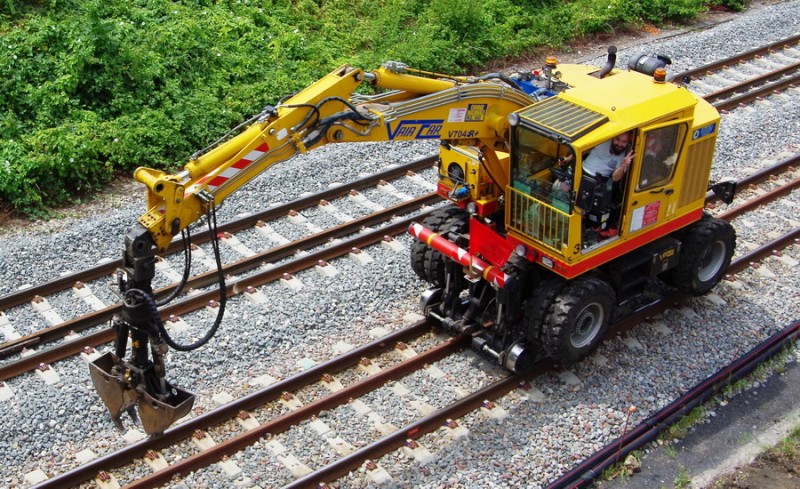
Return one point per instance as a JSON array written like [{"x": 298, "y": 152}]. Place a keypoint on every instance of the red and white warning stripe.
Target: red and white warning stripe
[
  {"x": 215, "y": 182},
  {"x": 489, "y": 272}
]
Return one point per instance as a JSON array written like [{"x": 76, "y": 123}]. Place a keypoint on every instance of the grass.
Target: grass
[
  {"x": 682, "y": 480},
  {"x": 625, "y": 469},
  {"x": 90, "y": 89},
  {"x": 681, "y": 428},
  {"x": 786, "y": 450}
]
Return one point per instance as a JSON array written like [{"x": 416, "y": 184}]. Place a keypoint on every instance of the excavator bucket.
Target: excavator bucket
[
  {"x": 116, "y": 396},
  {"x": 156, "y": 415}
]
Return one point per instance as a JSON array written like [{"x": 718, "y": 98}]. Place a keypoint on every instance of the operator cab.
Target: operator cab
[{"x": 560, "y": 208}]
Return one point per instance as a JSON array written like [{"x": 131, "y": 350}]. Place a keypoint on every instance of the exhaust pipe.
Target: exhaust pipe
[{"x": 610, "y": 62}]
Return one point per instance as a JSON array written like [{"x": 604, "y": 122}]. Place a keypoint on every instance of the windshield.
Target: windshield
[{"x": 542, "y": 168}]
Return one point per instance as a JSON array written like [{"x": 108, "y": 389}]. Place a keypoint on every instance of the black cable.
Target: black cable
[
  {"x": 158, "y": 326},
  {"x": 302, "y": 123},
  {"x": 500, "y": 76},
  {"x": 187, "y": 266}
]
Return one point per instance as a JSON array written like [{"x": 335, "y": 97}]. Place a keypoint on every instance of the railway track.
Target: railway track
[
  {"x": 732, "y": 95},
  {"x": 242, "y": 285},
  {"x": 82, "y": 279},
  {"x": 376, "y": 378}
]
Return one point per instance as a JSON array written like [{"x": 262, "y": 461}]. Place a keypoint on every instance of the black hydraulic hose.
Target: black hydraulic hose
[
  {"x": 339, "y": 99},
  {"x": 223, "y": 296},
  {"x": 187, "y": 267},
  {"x": 500, "y": 76},
  {"x": 314, "y": 111}
]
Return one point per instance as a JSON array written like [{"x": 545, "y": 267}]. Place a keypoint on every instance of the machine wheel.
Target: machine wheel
[
  {"x": 428, "y": 263},
  {"x": 706, "y": 251},
  {"x": 578, "y": 319},
  {"x": 537, "y": 307}
]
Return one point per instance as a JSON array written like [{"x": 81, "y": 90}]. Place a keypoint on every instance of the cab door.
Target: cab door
[{"x": 651, "y": 198}]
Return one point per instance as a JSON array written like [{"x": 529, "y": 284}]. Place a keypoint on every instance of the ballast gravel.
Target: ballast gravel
[{"x": 547, "y": 430}]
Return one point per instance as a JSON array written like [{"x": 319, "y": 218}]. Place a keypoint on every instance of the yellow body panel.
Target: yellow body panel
[{"x": 594, "y": 111}]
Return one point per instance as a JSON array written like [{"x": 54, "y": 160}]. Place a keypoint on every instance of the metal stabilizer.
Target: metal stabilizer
[{"x": 122, "y": 387}]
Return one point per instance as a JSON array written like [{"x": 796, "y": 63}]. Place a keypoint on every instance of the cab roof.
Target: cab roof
[{"x": 604, "y": 107}]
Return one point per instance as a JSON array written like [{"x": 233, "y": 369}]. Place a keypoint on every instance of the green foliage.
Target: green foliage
[
  {"x": 737, "y": 5},
  {"x": 92, "y": 88},
  {"x": 683, "y": 479}
]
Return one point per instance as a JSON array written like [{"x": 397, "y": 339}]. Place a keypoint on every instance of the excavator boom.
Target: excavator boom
[{"x": 455, "y": 110}]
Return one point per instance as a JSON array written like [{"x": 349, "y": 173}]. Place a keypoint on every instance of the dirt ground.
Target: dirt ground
[{"x": 778, "y": 468}]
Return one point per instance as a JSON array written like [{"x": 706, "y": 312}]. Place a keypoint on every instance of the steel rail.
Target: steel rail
[
  {"x": 64, "y": 282},
  {"x": 226, "y": 412},
  {"x": 591, "y": 468},
  {"x": 282, "y": 423},
  {"x": 783, "y": 166},
  {"x": 379, "y": 448},
  {"x": 353, "y": 461},
  {"x": 762, "y": 91},
  {"x": 747, "y": 55},
  {"x": 428, "y": 424},
  {"x": 193, "y": 302},
  {"x": 76, "y": 346},
  {"x": 767, "y": 197},
  {"x": 752, "y": 82},
  {"x": 374, "y": 450}
]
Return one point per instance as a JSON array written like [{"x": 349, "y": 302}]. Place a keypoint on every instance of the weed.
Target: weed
[
  {"x": 682, "y": 480},
  {"x": 680, "y": 428}
]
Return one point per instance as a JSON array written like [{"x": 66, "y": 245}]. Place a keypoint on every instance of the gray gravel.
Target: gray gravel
[{"x": 539, "y": 439}]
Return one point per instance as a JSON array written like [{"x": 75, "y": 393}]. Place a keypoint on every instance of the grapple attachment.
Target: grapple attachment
[
  {"x": 157, "y": 415},
  {"x": 122, "y": 388},
  {"x": 139, "y": 380}
]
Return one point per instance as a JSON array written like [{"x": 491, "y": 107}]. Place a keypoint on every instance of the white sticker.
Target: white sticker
[
  {"x": 281, "y": 134},
  {"x": 457, "y": 115},
  {"x": 636, "y": 219}
]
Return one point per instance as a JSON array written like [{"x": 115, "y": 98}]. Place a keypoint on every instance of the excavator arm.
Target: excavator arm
[
  {"x": 454, "y": 110},
  {"x": 414, "y": 107}
]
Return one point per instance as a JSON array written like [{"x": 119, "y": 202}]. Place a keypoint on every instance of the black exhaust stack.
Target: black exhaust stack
[{"x": 610, "y": 62}]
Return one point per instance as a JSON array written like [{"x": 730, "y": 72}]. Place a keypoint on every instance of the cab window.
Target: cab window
[
  {"x": 536, "y": 170},
  {"x": 662, "y": 147}
]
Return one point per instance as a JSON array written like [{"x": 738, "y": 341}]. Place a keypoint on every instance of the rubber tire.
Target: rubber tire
[
  {"x": 427, "y": 263},
  {"x": 536, "y": 308},
  {"x": 706, "y": 252},
  {"x": 583, "y": 299}
]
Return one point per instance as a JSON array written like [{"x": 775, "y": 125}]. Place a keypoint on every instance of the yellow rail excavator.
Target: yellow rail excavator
[{"x": 568, "y": 190}]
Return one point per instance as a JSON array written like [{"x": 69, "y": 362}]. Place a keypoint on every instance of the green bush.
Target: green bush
[
  {"x": 737, "y": 5},
  {"x": 93, "y": 88}
]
